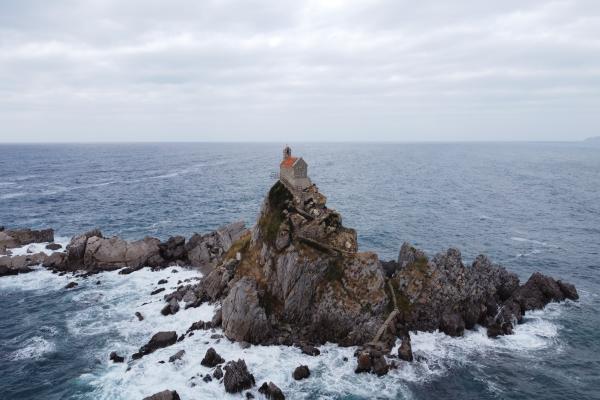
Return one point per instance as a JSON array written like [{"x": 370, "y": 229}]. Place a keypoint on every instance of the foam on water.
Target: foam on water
[
  {"x": 33, "y": 348},
  {"x": 112, "y": 305},
  {"x": 40, "y": 247}
]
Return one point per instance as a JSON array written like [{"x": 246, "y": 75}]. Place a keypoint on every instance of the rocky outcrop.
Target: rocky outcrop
[
  {"x": 21, "y": 237},
  {"x": 237, "y": 378},
  {"x": 243, "y": 317},
  {"x": 405, "y": 349},
  {"x": 13, "y": 265},
  {"x": 207, "y": 250},
  {"x": 114, "y": 253}
]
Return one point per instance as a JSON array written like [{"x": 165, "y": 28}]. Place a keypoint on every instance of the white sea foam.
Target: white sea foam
[
  {"x": 537, "y": 242},
  {"x": 39, "y": 247},
  {"x": 34, "y": 348},
  {"x": 108, "y": 309}
]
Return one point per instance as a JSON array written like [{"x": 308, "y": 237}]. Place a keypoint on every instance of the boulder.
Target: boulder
[
  {"x": 158, "y": 341},
  {"x": 309, "y": 350},
  {"x": 173, "y": 249},
  {"x": 157, "y": 291},
  {"x": 71, "y": 285},
  {"x": 115, "y": 253},
  {"x": 53, "y": 246},
  {"x": 271, "y": 391},
  {"x": 211, "y": 358},
  {"x": 237, "y": 378},
  {"x": 55, "y": 261},
  {"x": 171, "y": 308},
  {"x": 301, "y": 372},
  {"x": 164, "y": 395},
  {"x": 22, "y": 237},
  {"x": 139, "y": 316},
  {"x": 452, "y": 324}
]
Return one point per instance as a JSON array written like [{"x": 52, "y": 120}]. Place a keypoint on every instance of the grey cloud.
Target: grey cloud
[{"x": 313, "y": 70}]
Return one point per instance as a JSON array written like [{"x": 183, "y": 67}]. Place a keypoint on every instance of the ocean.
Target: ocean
[{"x": 529, "y": 206}]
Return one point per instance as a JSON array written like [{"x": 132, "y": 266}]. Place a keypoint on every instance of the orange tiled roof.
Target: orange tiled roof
[{"x": 288, "y": 162}]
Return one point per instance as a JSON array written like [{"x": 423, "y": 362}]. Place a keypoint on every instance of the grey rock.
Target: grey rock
[
  {"x": 271, "y": 391},
  {"x": 301, "y": 372},
  {"x": 177, "y": 356},
  {"x": 164, "y": 395},
  {"x": 243, "y": 317},
  {"x": 212, "y": 358},
  {"x": 237, "y": 378}
]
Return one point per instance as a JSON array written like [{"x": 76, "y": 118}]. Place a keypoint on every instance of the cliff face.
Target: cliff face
[{"x": 300, "y": 272}]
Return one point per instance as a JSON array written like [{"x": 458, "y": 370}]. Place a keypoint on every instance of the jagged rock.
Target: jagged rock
[
  {"x": 164, "y": 395},
  {"x": 389, "y": 267},
  {"x": 371, "y": 359},
  {"x": 114, "y": 357},
  {"x": 75, "y": 250},
  {"x": 207, "y": 250},
  {"x": 217, "y": 319},
  {"x": 271, "y": 391},
  {"x": 116, "y": 253},
  {"x": 218, "y": 372},
  {"x": 173, "y": 249},
  {"x": 53, "y": 246},
  {"x": 301, "y": 372},
  {"x": 211, "y": 358},
  {"x": 405, "y": 349},
  {"x": 452, "y": 324},
  {"x": 177, "y": 356},
  {"x": 568, "y": 290},
  {"x": 158, "y": 341},
  {"x": 237, "y": 378},
  {"x": 243, "y": 317}
]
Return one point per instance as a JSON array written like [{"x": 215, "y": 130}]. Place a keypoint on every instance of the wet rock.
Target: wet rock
[
  {"x": 162, "y": 282},
  {"x": 249, "y": 395},
  {"x": 218, "y": 373},
  {"x": 177, "y": 356},
  {"x": 309, "y": 350},
  {"x": 207, "y": 378},
  {"x": 173, "y": 249},
  {"x": 55, "y": 261},
  {"x": 114, "y": 357},
  {"x": 211, "y": 358},
  {"x": 217, "y": 319},
  {"x": 53, "y": 246},
  {"x": 452, "y": 324},
  {"x": 271, "y": 391},
  {"x": 172, "y": 307},
  {"x": 75, "y": 250},
  {"x": 301, "y": 372},
  {"x": 157, "y": 291},
  {"x": 371, "y": 359},
  {"x": 164, "y": 395},
  {"x": 139, "y": 316},
  {"x": 158, "y": 341},
  {"x": 71, "y": 285},
  {"x": 237, "y": 378},
  {"x": 568, "y": 290},
  {"x": 405, "y": 349}
]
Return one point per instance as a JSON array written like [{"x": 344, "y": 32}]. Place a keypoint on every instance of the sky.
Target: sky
[{"x": 289, "y": 71}]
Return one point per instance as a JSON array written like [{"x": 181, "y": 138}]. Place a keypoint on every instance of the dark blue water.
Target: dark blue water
[{"x": 530, "y": 206}]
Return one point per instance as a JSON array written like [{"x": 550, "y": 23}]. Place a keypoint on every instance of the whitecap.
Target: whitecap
[
  {"x": 14, "y": 195},
  {"x": 34, "y": 348}
]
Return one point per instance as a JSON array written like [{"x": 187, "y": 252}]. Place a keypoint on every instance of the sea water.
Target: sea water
[{"x": 529, "y": 206}]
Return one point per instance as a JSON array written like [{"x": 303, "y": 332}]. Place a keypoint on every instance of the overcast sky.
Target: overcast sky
[{"x": 148, "y": 70}]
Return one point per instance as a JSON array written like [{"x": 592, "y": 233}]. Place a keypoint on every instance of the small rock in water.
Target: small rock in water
[
  {"x": 53, "y": 246},
  {"x": 164, "y": 395},
  {"x": 212, "y": 358},
  {"x": 114, "y": 357},
  {"x": 71, "y": 285},
  {"x": 405, "y": 349},
  {"x": 271, "y": 391},
  {"x": 157, "y": 291},
  {"x": 98, "y": 282},
  {"x": 301, "y": 372},
  {"x": 177, "y": 356},
  {"x": 237, "y": 377},
  {"x": 162, "y": 282},
  {"x": 139, "y": 316},
  {"x": 158, "y": 341},
  {"x": 249, "y": 395},
  {"x": 216, "y": 336},
  {"x": 310, "y": 350},
  {"x": 174, "y": 271},
  {"x": 218, "y": 374},
  {"x": 207, "y": 378}
]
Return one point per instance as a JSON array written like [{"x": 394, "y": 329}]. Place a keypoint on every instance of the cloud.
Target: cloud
[{"x": 298, "y": 70}]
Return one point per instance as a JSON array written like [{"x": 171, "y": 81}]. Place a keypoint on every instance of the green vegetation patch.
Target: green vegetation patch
[{"x": 271, "y": 220}]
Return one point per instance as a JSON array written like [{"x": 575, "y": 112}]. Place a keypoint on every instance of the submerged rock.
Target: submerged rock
[
  {"x": 177, "y": 356},
  {"x": 114, "y": 357},
  {"x": 405, "y": 349}
]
